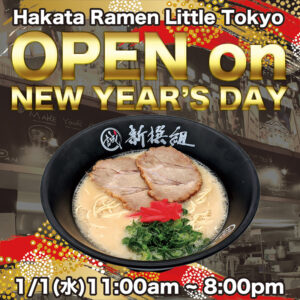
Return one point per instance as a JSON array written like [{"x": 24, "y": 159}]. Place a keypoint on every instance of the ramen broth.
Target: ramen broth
[{"x": 102, "y": 219}]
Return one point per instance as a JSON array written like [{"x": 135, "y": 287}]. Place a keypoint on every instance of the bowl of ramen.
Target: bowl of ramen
[{"x": 150, "y": 192}]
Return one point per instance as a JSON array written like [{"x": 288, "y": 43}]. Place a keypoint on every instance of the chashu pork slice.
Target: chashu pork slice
[
  {"x": 120, "y": 178},
  {"x": 169, "y": 174}
]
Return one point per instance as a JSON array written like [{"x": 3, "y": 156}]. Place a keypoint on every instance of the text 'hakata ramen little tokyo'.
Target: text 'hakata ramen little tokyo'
[{"x": 150, "y": 205}]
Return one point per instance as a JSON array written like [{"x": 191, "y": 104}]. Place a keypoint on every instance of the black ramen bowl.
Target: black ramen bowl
[{"x": 77, "y": 155}]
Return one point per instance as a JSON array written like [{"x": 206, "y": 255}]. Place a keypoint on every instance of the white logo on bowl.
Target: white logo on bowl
[
  {"x": 156, "y": 135},
  {"x": 111, "y": 139}
]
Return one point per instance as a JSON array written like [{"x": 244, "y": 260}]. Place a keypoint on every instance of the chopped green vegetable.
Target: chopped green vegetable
[
  {"x": 163, "y": 240},
  {"x": 184, "y": 212}
]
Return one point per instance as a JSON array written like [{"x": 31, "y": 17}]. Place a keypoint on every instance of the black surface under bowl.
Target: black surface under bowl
[{"x": 77, "y": 155}]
